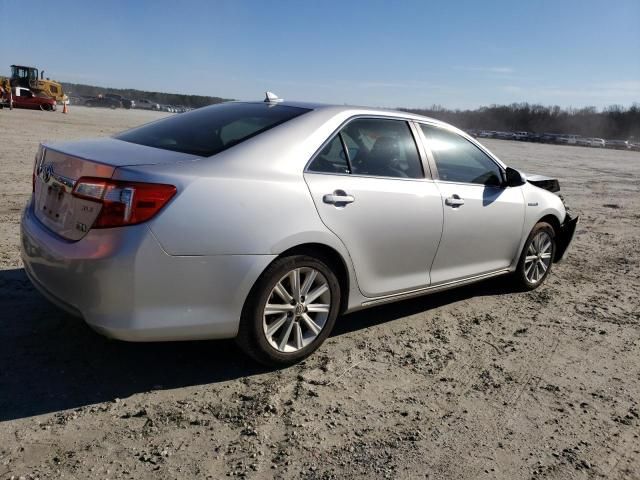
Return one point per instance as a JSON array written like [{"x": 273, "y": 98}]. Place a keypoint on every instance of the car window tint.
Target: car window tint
[
  {"x": 383, "y": 148},
  {"x": 458, "y": 160},
  {"x": 331, "y": 159},
  {"x": 240, "y": 129},
  {"x": 210, "y": 130}
]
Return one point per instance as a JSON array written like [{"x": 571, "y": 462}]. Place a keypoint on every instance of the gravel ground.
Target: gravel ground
[{"x": 480, "y": 382}]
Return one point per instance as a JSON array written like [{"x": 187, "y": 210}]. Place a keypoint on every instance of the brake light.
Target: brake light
[{"x": 123, "y": 203}]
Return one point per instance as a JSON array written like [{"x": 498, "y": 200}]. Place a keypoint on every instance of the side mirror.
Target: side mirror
[{"x": 514, "y": 178}]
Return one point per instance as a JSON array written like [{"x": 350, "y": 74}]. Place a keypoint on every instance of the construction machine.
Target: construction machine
[{"x": 31, "y": 78}]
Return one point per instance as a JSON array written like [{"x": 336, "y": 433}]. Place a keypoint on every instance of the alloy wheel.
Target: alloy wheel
[
  {"x": 297, "y": 309},
  {"x": 538, "y": 258}
]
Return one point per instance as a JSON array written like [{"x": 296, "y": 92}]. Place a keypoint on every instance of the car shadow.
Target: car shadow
[{"x": 50, "y": 361}]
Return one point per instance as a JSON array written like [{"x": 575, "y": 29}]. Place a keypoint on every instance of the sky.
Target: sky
[{"x": 403, "y": 53}]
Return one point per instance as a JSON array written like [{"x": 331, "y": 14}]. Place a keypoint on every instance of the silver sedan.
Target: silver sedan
[{"x": 264, "y": 221}]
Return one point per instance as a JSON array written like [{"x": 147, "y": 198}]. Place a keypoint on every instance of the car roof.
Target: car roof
[{"x": 334, "y": 109}]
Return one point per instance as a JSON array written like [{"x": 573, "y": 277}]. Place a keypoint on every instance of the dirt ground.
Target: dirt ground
[{"x": 480, "y": 382}]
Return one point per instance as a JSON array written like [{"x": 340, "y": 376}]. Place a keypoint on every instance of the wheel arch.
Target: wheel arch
[
  {"x": 555, "y": 223},
  {"x": 332, "y": 257},
  {"x": 552, "y": 220},
  {"x": 549, "y": 215}
]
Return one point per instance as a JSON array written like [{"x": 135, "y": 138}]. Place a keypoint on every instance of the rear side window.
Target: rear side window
[
  {"x": 211, "y": 130},
  {"x": 376, "y": 147},
  {"x": 383, "y": 148},
  {"x": 458, "y": 160}
]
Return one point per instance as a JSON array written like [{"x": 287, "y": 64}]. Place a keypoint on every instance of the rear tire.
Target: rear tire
[
  {"x": 537, "y": 257},
  {"x": 282, "y": 324}
]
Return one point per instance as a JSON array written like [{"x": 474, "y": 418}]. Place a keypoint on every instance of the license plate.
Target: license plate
[{"x": 53, "y": 202}]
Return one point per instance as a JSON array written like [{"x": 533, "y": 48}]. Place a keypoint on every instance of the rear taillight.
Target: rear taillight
[{"x": 123, "y": 203}]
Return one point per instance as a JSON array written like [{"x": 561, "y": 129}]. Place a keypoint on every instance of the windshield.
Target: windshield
[{"x": 210, "y": 130}]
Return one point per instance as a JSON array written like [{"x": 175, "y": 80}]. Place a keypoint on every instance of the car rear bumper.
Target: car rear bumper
[
  {"x": 127, "y": 287},
  {"x": 565, "y": 236}
]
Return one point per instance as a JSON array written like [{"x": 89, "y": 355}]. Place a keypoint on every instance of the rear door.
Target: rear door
[
  {"x": 483, "y": 219},
  {"x": 369, "y": 188}
]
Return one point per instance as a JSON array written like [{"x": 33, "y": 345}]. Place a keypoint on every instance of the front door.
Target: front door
[
  {"x": 369, "y": 188},
  {"x": 483, "y": 219}
]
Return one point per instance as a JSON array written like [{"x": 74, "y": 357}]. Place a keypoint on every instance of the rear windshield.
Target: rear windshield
[{"x": 211, "y": 130}]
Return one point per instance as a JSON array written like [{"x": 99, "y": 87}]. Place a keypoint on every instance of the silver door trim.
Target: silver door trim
[{"x": 433, "y": 288}]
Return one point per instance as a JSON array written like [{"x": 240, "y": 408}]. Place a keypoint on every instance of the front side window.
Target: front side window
[
  {"x": 210, "y": 130},
  {"x": 458, "y": 160}
]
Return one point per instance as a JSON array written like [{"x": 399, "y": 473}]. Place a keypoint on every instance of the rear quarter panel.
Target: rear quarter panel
[{"x": 238, "y": 216}]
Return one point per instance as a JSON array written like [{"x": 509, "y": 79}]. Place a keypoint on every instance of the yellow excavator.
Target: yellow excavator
[{"x": 29, "y": 77}]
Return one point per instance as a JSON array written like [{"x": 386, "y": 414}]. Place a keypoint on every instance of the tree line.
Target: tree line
[
  {"x": 192, "y": 101},
  {"x": 613, "y": 122}
]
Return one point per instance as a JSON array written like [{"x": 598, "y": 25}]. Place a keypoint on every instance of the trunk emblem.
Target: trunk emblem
[
  {"x": 46, "y": 172},
  {"x": 62, "y": 183}
]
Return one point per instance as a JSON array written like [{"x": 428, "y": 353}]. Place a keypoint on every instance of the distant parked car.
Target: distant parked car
[
  {"x": 635, "y": 147},
  {"x": 617, "y": 144},
  {"x": 126, "y": 102},
  {"x": 534, "y": 137},
  {"x": 485, "y": 134},
  {"x": 106, "y": 102},
  {"x": 147, "y": 105},
  {"x": 522, "y": 136},
  {"x": 25, "y": 98},
  {"x": 590, "y": 142},
  {"x": 568, "y": 139}
]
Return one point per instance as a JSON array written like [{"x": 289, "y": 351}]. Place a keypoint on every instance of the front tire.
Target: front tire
[
  {"x": 290, "y": 311},
  {"x": 537, "y": 257}
]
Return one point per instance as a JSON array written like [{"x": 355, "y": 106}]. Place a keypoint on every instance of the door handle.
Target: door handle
[
  {"x": 454, "y": 201},
  {"x": 338, "y": 198}
]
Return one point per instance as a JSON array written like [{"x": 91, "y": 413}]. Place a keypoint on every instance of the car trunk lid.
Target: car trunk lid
[{"x": 59, "y": 166}]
